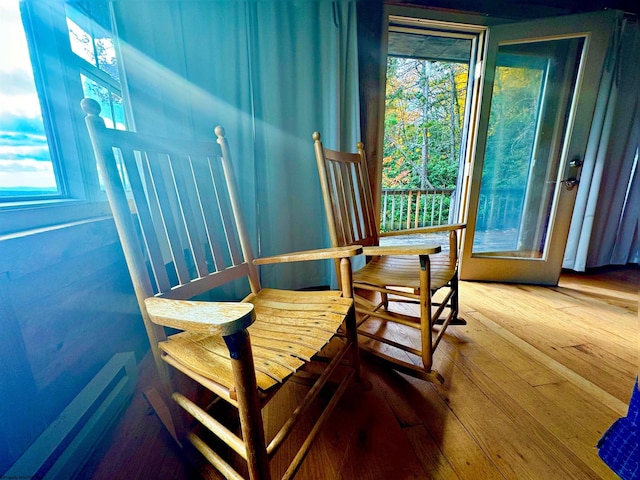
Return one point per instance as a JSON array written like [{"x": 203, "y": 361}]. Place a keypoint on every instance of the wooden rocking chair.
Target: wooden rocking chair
[
  {"x": 392, "y": 274},
  {"x": 186, "y": 239}
]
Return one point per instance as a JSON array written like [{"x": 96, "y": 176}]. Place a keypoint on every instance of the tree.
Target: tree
[{"x": 423, "y": 122}]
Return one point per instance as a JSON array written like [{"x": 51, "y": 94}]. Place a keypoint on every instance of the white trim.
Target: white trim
[{"x": 27, "y": 217}]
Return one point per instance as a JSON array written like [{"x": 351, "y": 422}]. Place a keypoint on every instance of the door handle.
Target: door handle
[
  {"x": 576, "y": 163},
  {"x": 570, "y": 183}
]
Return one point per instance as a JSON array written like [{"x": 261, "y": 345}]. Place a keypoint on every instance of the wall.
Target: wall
[{"x": 66, "y": 306}]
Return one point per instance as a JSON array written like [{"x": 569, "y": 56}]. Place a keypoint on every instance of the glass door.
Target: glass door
[{"x": 538, "y": 98}]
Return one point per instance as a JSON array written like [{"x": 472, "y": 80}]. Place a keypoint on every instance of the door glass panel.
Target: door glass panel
[{"x": 533, "y": 91}]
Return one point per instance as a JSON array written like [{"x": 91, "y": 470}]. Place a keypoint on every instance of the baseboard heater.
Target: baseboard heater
[{"x": 64, "y": 447}]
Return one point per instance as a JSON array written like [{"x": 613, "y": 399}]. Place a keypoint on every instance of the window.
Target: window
[
  {"x": 26, "y": 165},
  {"x": 92, "y": 43},
  {"x": 59, "y": 53}
]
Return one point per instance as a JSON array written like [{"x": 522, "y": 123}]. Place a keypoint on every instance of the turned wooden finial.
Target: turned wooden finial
[
  {"x": 219, "y": 131},
  {"x": 360, "y": 146},
  {"x": 90, "y": 106},
  {"x": 316, "y": 136}
]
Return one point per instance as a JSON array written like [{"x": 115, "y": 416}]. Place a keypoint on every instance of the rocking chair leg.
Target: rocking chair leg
[
  {"x": 350, "y": 321},
  {"x": 162, "y": 410},
  {"x": 352, "y": 337},
  {"x": 425, "y": 312},
  {"x": 455, "y": 306},
  {"x": 249, "y": 405}
]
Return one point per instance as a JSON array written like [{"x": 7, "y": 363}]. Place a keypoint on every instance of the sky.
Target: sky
[{"x": 24, "y": 155}]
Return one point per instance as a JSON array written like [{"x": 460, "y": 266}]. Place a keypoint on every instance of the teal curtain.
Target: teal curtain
[{"x": 269, "y": 72}]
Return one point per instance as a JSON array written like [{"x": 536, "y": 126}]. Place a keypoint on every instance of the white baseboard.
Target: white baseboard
[{"x": 65, "y": 445}]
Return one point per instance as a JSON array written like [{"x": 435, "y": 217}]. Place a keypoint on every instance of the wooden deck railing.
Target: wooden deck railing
[
  {"x": 413, "y": 208},
  {"x": 498, "y": 209}
]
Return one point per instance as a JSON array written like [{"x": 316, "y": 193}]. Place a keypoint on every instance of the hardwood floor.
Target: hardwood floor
[{"x": 532, "y": 382}]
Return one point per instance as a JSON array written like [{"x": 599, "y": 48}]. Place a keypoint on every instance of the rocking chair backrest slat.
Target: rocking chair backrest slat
[
  {"x": 185, "y": 188},
  {"x": 357, "y": 225},
  {"x": 351, "y": 205},
  {"x": 226, "y": 197},
  {"x": 146, "y": 212},
  {"x": 167, "y": 201},
  {"x": 212, "y": 219},
  {"x": 364, "y": 186}
]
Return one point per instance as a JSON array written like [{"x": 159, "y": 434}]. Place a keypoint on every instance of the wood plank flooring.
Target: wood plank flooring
[{"x": 531, "y": 384}]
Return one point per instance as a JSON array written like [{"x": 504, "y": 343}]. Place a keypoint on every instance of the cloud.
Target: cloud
[
  {"x": 38, "y": 153},
  {"x": 24, "y": 166},
  {"x": 17, "y": 82},
  {"x": 17, "y": 124},
  {"x": 7, "y": 138},
  {"x": 22, "y": 139},
  {"x": 26, "y": 174}
]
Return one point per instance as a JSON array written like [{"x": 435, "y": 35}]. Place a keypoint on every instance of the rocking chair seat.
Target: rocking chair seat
[
  {"x": 399, "y": 271},
  {"x": 281, "y": 344},
  {"x": 443, "y": 268}
]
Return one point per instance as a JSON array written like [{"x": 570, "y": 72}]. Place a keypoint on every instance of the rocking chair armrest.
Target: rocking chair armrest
[
  {"x": 305, "y": 255},
  {"x": 436, "y": 228},
  {"x": 401, "y": 250},
  {"x": 221, "y": 318}
]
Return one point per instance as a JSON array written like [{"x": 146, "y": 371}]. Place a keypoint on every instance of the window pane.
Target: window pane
[
  {"x": 118, "y": 111},
  {"x": 107, "y": 56},
  {"x": 81, "y": 42},
  {"x": 26, "y": 168},
  {"x": 90, "y": 39},
  {"x": 528, "y": 120},
  {"x": 101, "y": 95}
]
